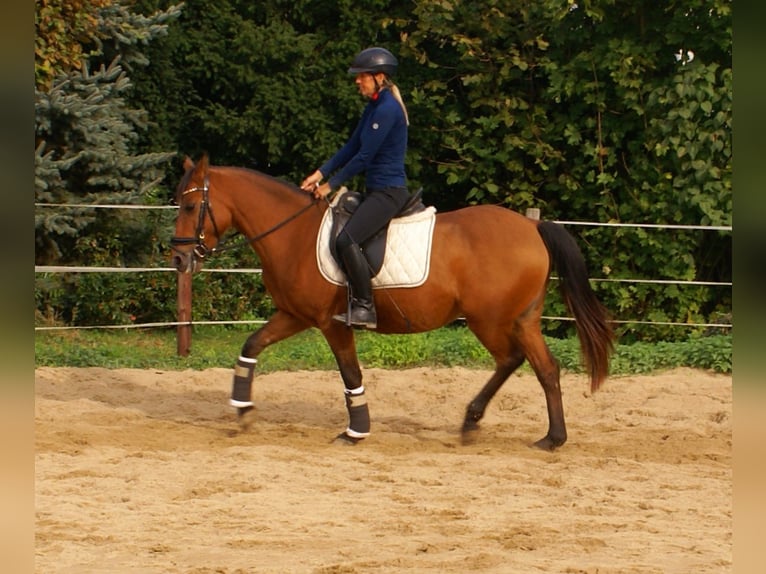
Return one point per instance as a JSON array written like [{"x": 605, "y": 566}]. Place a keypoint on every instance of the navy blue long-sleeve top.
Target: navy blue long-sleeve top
[{"x": 376, "y": 147}]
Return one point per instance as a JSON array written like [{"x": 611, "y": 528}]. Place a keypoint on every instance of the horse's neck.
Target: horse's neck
[{"x": 271, "y": 212}]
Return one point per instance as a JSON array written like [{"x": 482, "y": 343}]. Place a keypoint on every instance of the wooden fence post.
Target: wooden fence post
[{"x": 183, "y": 331}]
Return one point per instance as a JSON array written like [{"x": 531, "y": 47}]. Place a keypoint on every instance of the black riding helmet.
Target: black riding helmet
[{"x": 374, "y": 60}]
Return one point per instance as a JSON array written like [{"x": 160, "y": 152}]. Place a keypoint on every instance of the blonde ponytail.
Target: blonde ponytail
[{"x": 398, "y": 96}]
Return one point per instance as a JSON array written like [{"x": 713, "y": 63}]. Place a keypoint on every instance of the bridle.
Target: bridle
[{"x": 201, "y": 250}]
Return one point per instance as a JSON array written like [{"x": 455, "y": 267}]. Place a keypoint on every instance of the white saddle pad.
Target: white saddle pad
[{"x": 408, "y": 250}]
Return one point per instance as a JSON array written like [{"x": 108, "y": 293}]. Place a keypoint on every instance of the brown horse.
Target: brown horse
[{"x": 489, "y": 265}]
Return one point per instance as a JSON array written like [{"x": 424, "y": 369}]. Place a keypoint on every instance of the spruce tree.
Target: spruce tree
[{"x": 87, "y": 136}]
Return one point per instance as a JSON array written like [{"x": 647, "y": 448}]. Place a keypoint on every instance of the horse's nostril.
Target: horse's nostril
[{"x": 179, "y": 263}]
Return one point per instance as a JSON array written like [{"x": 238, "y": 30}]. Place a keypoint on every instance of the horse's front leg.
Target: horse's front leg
[
  {"x": 342, "y": 343},
  {"x": 280, "y": 326}
]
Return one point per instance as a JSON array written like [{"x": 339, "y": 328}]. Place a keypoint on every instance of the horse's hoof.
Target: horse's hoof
[
  {"x": 245, "y": 418},
  {"x": 547, "y": 443},
  {"x": 345, "y": 440},
  {"x": 470, "y": 424},
  {"x": 469, "y": 433}
]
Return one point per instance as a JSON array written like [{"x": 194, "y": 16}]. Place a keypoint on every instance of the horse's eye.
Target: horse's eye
[{"x": 188, "y": 207}]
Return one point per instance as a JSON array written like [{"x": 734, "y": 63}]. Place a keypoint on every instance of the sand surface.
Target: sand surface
[{"x": 146, "y": 471}]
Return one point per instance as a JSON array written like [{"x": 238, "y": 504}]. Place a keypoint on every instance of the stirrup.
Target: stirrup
[
  {"x": 368, "y": 320},
  {"x": 356, "y": 324}
]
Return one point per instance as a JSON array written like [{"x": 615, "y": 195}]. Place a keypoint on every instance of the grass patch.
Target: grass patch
[{"x": 217, "y": 346}]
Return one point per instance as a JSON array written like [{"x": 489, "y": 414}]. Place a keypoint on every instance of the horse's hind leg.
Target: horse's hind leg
[
  {"x": 280, "y": 326},
  {"x": 547, "y": 370},
  {"x": 509, "y": 349},
  {"x": 478, "y": 405}
]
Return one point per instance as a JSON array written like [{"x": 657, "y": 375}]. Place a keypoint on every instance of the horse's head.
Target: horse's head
[{"x": 196, "y": 232}]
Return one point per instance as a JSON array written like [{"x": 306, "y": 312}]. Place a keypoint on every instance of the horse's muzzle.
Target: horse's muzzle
[{"x": 186, "y": 262}]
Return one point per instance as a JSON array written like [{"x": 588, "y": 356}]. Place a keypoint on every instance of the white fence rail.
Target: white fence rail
[{"x": 91, "y": 269}]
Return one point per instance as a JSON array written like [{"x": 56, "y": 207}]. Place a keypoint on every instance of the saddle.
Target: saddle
[{"x": 374, "y": 249}]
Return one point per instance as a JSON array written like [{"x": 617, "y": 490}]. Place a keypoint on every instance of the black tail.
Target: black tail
[{"x": 591, "y": 317}]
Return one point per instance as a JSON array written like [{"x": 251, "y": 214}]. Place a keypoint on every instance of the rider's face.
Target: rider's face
[{"x": 366, "y": 84}]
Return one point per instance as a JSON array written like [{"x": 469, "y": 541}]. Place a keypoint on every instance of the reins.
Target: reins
[
  {"x": 248, "y": 240},
  {"x": 201, "y": 250}
]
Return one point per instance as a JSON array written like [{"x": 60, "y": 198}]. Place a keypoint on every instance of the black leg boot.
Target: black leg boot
[{"x": 362, "y": 306}]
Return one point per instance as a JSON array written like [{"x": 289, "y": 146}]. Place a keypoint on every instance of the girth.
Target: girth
[{"x": 374, "y": 249}]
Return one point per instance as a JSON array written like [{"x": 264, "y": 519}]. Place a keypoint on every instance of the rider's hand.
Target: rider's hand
[
  {"x": 311, "y": 183},
  {"x": 321, "y": 191}
]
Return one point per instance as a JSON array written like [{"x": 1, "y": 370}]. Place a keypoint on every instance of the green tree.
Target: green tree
[
  {"x": 63, "y": 31},
  {"x": 87, "y": 136},
  {"x": 639, "y": 100},
  {"x": 479, "y": 125},
  {"x": 604, "y": 111},
  {"x": 261, "y": 85},
  {"x": 596, "y": 110}
]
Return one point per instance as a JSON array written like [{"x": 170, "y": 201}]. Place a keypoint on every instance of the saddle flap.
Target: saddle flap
[
  {"x": 399, "y": 254},
  {"x": 343, "y": 207}
]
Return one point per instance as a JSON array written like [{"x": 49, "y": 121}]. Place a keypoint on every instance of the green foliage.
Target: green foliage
[
  {"x": 712, "y": 353},
  {"x": 214, "y": 346},
  {"x": 447, "y": 347},
  {"x": 60, "y": 27},
  {"x": 86, "y": 133},
  {"x": 587, "y": 113},
  {"x": 70, "y": 32},
  {"x": 478, "y": 125},
  {"x": 629, "y": 115},
  {"x": 88, "y": 298},
  {"x": 146, "y": 297},
  {"x": 260, "y": 85},
  {"x": 601, "y": 110}
]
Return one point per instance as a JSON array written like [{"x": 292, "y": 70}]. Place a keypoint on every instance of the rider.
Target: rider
[{"x": 377, "y": 147}]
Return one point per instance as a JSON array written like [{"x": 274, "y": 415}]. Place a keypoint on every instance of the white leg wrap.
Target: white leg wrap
[
  {"x": 243, "y": 379},
  {"x": 354, "y": 434},
  {"x": 238, "y": 404}
]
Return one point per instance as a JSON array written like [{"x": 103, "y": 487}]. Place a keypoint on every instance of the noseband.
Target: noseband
[{"x": 200, "y": 249}]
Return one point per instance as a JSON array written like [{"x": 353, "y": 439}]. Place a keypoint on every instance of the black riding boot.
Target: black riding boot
[{"x": 362, "y": 305}]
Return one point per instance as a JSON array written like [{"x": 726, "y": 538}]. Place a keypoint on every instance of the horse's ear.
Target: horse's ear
[
  {"x": 203, "y": 163},
  {"x": 188, "y": 163}
]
